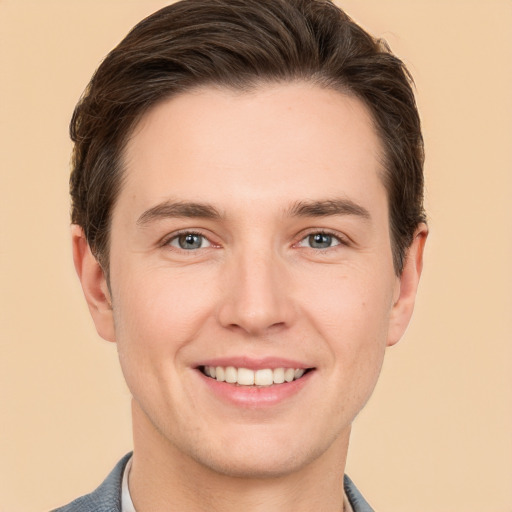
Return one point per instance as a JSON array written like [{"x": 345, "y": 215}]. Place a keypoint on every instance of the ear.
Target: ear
[
  {"x": 407, "y": 286},
  {"x": 94, "y": 284}
]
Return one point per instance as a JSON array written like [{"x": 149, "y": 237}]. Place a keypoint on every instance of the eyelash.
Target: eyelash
[
  {"x": 340, "y": 240},
  {"x": 166, "y": 242}
]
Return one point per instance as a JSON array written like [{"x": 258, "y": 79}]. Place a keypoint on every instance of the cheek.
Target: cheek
[
  {"x": 351, "y": 312},
  {"x": 156, "y": 314},
  {"x": 162, "y": 298},
  {"x": 155, "y": 317},
  {"x": 351, "y": 305}
]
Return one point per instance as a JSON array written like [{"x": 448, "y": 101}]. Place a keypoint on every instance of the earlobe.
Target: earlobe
[
  {"x": 94, "y": 284},
  {"x": 408, "y": 286}
]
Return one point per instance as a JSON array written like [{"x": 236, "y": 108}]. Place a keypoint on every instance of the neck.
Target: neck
[{"x": 163, "y": 478}]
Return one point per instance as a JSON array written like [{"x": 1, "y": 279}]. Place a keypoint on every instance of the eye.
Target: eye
[
  {"x": 189, "y": 241},
  {"x": 320, "y": 241}
]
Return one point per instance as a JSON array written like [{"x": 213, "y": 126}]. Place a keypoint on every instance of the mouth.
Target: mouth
[{"x": 264, "y": 377}]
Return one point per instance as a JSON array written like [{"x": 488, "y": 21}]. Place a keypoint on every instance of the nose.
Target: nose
[{"x": 256, "y": 296}]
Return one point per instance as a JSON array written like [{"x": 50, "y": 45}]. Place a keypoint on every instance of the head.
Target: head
[
  {"x": 247, "y": 184},
  {"x": 240, "y": 45}
]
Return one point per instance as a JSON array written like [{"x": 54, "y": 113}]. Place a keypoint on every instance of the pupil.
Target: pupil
[
  {"x": 320, "y": 240},
  {"x": 190, "y": 241}
]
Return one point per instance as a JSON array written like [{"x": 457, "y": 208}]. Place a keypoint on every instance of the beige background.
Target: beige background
[{"x": 437, "y": 435}]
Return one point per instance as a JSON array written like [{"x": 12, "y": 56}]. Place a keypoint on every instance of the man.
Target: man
[{"x": 248, "y": 228}]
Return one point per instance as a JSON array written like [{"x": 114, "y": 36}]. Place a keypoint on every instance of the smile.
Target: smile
[{"x": 247, "y": 377}]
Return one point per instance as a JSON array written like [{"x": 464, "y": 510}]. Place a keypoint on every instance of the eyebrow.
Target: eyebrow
[
  {"x": 323, "y": 208},
  {"x": 327, "y": 208},
  {"x": 171, "y": 209}
]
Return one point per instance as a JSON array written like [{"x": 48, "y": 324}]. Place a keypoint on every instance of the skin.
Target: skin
[{"x": 256, "y": 288}]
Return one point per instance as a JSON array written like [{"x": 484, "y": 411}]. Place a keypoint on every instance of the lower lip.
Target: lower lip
[{"x": 255, "y": 396}]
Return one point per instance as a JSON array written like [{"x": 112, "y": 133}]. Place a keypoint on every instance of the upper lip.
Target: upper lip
[{"x": 255, "y": 363}]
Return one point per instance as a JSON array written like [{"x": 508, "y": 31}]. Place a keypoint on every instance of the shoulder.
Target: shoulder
[
  {"x": 106, "y": 498},
  {"x": 358, "y": 503}
]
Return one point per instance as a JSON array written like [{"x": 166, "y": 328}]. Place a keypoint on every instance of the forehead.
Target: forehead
[{"x": 275, "y": 141}]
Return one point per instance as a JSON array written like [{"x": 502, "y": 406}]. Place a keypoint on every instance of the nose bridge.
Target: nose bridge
[{"x": 255, "y": 296}]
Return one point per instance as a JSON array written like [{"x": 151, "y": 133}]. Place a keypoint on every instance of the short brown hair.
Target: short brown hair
[{"x": 239, "y": 44}]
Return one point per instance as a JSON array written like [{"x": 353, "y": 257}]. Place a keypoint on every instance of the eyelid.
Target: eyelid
[
  {"x": 167, "y": 239},
  {"x": 340, "y": 237}
]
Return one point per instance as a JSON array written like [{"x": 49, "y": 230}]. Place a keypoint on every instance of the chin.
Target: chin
[
  {"x": 259, "y": 459},
  {"x": 261, "y": 467}
]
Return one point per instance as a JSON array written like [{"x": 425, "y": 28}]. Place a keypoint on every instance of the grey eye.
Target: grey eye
[
  {"x": 190, "y": 241},
  {"x": 319, "y": 241}
]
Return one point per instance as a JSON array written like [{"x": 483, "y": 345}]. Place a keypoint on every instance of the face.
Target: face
[{"x": 252, "y": 284}]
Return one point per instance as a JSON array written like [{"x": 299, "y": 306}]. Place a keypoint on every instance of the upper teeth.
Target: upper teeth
[{"x": 246, "y": 377}]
